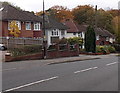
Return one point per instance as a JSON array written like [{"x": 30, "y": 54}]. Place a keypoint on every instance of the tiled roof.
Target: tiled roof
[
  {"x": 11, "y": 13},
  {"x": 52, "y": 23},
  {"x": 75, "y": 27},
  {"x": 72, "y": 26}
]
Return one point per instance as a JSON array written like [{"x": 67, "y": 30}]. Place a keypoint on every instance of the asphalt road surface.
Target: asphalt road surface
[{"x": 88, "y": 75}]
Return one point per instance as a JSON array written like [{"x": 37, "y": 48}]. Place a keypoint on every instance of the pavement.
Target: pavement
[{"x": 43, "y": 62}]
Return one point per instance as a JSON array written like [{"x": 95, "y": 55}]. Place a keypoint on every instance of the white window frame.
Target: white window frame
[
  {"x": 17, "y": 22},
  {"x": 97, "y": 37},
  {"x": 55, "y": 32},
  {"x": 28, "y": 24},
  {"x": 36, "y": 26},
  {"x": 107, "y": 38}
]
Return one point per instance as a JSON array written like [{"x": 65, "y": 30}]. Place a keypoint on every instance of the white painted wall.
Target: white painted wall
[
  {"x": 49, "y": 35},
  {"x": 111, "y": 40},
  {"x": 70, "y": 35}
]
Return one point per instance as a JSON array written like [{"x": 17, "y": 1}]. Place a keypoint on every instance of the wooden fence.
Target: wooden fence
[{"x": 12, "y": 42}]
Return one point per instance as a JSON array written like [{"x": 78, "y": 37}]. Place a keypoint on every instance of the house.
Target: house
[
  {"x": 54, "y": 30},
  {"x": 103, "y": 37},
  {"x": 28, "y": 23}
]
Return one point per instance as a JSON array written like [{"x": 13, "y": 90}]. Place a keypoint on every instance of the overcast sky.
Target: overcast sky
[{"x": 36, "y": 5}]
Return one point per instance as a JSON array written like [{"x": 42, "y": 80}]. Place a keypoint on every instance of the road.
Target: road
[{"x": 89, "y": 75}]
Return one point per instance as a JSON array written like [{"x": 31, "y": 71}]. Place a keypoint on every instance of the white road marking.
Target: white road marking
[
  {"x": 111, "y": 63},
  {"x": 33, "y": 83},
  {"x": 85, "y": 70},
  {"x": 94, "y": 67},
  {"x": 8, "y": 69}
]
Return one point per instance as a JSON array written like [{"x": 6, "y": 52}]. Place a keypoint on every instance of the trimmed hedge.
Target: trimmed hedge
[{"x": 26, "y": 50}]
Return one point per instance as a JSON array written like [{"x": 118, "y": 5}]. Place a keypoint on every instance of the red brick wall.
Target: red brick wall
[
  {"x": 64, "y": 53},
  {"x": 24, "y": 32}
]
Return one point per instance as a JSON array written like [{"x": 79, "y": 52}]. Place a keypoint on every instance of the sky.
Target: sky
[{"x": 36, "y": 5}]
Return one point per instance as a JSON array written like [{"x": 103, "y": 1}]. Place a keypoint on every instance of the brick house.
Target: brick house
[
  {"x": 103, "y": 37},
  {"x": 28, "y": 23}
]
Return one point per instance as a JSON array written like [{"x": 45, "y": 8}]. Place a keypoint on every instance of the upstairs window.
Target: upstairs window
[
  {"x": 55, "y": 32},
  {"x": 28, "y": 25},
  {"x": 36, "y": 26}
]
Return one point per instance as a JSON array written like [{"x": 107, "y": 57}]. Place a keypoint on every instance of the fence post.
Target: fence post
[{"x": 7, "y": 42}]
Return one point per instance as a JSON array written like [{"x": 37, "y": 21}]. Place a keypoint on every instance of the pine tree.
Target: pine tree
[{"x": 90, "y": 40}]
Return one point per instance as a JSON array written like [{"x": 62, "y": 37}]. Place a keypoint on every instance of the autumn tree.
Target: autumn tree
[
  {"x": 84, "y": 14},
  {"x": 14, "y": 30},
  {"x": 60, "y": 12},
  {"x": 116, "y": 27},
  {"x": 114, "y": 12},
  {"x": 104, "y": 20}
]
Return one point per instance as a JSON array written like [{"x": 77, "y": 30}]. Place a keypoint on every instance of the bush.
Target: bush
[
  {"x": 117, "y": 47},
  {"x": 111, "y": 49},
  {"x": 105, "y": 49},
  {"x": 75, "y": 40},
  {"x": 52, "y": 48},
  {"x": 25, "y": 50}
]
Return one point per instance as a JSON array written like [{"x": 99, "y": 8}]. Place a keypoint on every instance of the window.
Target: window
[
  {"x": 107, "y": 38},
  {"x": 74, "y": 33},
  {"x": 97, "y": 37},
  {"x": 55, "y": 32},
  {"x": 80, "y": 34},
  {"x": 36, "y": 26},
  {"x": 62, "y": 33},
  {"x": 17, "y": 22},
  {"x": 28, "y": 25}
]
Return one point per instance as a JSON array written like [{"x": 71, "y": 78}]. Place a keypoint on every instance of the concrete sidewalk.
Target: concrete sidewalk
[
  {"x": 43, "y": 62},
  {"x": 30, "y": 63}
]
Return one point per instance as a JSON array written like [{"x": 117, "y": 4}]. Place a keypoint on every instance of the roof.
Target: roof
[
  {"x": 52, "y": 23},
  {"x": 11, "y": 13},
  {"x": 72, "y": 26},
  {"x": 75, "y": 27}
]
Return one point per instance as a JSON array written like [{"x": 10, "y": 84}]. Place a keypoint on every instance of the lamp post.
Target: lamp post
[{"x": 44, "y": 37}]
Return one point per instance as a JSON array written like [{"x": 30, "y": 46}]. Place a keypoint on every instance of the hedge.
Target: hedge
[{"x": 25, "y": 50}]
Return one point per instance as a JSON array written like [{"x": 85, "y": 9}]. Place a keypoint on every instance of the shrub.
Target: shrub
[
  {"x": 52, "y": 48},
  {"x": 117, "y": 47},
  {"x": 111, "y": 49},
  {"x": 75, "y": 40},
  {"x": 105, "y": 49},
  {"x": 24, "y": 50}
]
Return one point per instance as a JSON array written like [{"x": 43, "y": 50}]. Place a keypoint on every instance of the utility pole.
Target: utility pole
[
  {"x": 96, "y": 17},
  {"x": 44, "y": 37}
]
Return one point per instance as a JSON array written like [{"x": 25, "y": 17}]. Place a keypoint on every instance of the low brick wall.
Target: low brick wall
[
  {"x": 50, "y": 54},
  {"x": 63, "y": 53},
  {"x": 9, "y": 58}
]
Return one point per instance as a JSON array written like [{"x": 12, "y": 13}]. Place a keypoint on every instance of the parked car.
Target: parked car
[{"x": 2, "y": 47}]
